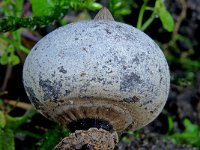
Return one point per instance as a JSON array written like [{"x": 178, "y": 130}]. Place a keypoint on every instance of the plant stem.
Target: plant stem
[
  {"x": 141, "y": 14},
  {"x": 149, "y": 21},
  {"x": 93, "y": 138},
  {"x": 15, "y": 122},
  {"x": 15, "y": 44},
  {"x": 12, "y": 23}
]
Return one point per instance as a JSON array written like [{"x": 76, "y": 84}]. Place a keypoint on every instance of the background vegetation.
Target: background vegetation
[{"x": 24, "y": 22}]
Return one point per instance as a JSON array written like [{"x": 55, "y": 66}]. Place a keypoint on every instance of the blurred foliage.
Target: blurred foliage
[
  {"x": 45, "y": 12},
  {"x": 165, "y": 16},
  {"x": 158, "y": 9},
  {"x": 120, "y": 7},
  {"x": 130, "y": 135},
  {"x": 8, "y": 127},
  {"x": 48, "y": 12},
  {"x": 172, "y": 50},
  {"x": 11, "y": 41},
  {"x": 51, "y": 138},
  {"x": 190, "y": 135}
]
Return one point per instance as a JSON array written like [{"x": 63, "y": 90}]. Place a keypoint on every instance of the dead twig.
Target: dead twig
[
  {"x": 181, "y": 17},
  {"x": 18, "y": 104},
  {"x": 7, "y": 77},
  {"x": 92, "y": 139}
]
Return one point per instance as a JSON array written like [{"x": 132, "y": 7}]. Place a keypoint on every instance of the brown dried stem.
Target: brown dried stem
[
  {"x": 181, "y": 17},
  {"x": 92, "y": 139},
  {"x": 7, "y": 77}
]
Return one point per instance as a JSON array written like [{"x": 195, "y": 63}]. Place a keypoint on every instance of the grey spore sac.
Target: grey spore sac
[{"x": 99, "y": 69}]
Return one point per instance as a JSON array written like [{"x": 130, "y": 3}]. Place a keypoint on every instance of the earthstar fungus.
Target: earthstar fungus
[{"x": 97, "y": 75}]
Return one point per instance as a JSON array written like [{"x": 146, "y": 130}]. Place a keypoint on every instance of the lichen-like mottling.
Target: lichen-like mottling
[{"x": 103, "y": 63}]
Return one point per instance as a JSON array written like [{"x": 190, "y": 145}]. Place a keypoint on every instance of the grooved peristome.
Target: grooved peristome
[
  {"x": 92, "y": 139},
  {"x": 113, "y": 112}
]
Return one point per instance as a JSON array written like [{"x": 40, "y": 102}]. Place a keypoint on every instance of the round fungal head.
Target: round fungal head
[{"x": 98, "y": 73}]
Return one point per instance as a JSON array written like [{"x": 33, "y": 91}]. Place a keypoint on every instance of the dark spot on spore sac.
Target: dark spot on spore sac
[
  {"x": 147, "y": 102},
  {"x": 82, "y": 74},
  {"x": 61, "y": 69},
  {"x": 67, "y": 92},
  {"x": 135, "y": 60},
  {"x": 118, "y": 26},
  {"x": 97, "y": 79},
  {"x": 84, "y": 49},
  {"x": 161, "y": 80},
  {"x": 108, "y": 61},
  {"x": 51, "y": 89},
  {"x": 108, "y": 31},
  {"x": 95, "y": 26},
  {"x": 84, "y": 87},
  {"x": 76, "y": 39},
  {"x": 93, "y": 79},
  {"x": 86, "y": 147},
  {"x": 32, "y": 97},
  {"x": 129, "y": 81},
  {"x": 133, "y": 99},
  {"x": 35, "y": 48},
  {"x": 87, "y": 123},
  {"x": 53, "y": 74},
  {"x": 107, "y": 69}
]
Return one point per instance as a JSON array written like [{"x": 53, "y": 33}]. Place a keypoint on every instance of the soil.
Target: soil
[{"x": 151, "y": 141}]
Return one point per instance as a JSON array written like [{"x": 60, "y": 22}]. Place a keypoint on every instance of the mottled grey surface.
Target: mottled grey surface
[{"x": 98, "y": 63}]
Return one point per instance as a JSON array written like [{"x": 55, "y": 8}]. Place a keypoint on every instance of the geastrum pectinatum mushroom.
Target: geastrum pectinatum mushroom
[{"x": 100, "y": 75}]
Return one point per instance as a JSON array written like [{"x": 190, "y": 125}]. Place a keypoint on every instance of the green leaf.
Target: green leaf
[
  {"x": 117, "y": 5},
  {"x": 191, "y": 128},
  {"x": 51, "y": 138},
  {"x": 95, "y": 6},
  {"x": 120, "y": 7},
  {"x": 7, "y": 139},
  {"x": 4, "y": 59},
  {"x": 42, "y": 7},
  {"x": 165, "y": 16},
  {"x": 170, "y": 124},
  {"x": 124, "y": 11},
  {"x": 2, "y": 120},
  {"x": 14, "y": 60}
]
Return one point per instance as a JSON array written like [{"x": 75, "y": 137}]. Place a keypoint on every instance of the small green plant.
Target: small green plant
[
  {"x": 160, "y": 10},
  {"x": 51, "y": 138},
  {"x": 130, "y": 135},
  {"x": 190, "y": 135},
  {"x": 12, "y": 40},
  {"x": 120, "y": 7},
  {"x": 9, "y": 126}
]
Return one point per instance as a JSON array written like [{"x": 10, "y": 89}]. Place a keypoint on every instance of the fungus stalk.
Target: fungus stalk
[
  {"x": 93, "y": 138},
  {"x": 107, "y": 77}
]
